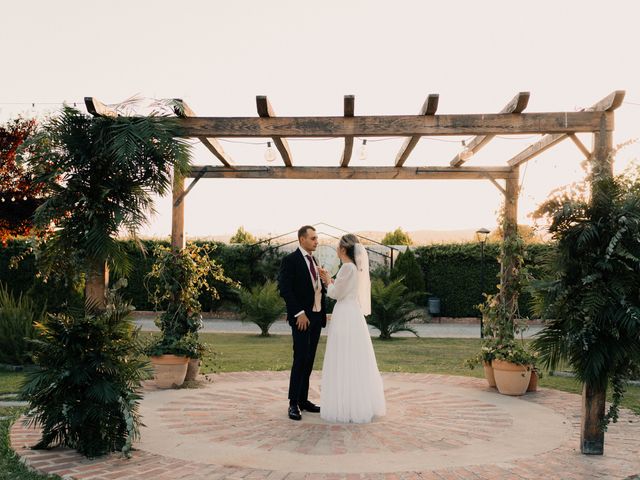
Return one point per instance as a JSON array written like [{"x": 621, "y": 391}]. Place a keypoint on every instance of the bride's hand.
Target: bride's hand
[{"x": 324, "y": 275}]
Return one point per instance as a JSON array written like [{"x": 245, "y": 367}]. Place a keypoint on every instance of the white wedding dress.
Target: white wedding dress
[{"x": 351, "y": 388}]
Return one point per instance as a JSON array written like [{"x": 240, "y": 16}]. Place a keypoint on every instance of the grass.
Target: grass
[{"x": 10, "y": 466}]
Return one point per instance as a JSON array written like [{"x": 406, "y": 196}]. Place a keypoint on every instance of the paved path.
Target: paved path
[
  {"x": 427, "y": 330},
  {"x": 436, "y": 427}
]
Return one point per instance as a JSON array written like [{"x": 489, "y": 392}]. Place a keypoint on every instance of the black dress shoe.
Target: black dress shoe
[
  {"x": 309, "y": 407},
  {"x": 294, "y": 412}
]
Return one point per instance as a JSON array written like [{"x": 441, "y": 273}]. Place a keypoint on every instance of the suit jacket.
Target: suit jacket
[{"x": 294, "y": 282}]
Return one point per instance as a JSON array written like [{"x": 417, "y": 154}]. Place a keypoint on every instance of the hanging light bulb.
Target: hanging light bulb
[
  {"x": 363, "y": 150},
  {"x": 270, "y": 154},
  {"x": 13, "y": 199},
  {"x": 2, "y": 199},
  {"x": 24, "y": 198}
]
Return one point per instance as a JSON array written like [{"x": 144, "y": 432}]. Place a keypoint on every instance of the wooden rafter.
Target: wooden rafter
[
  {"x": 585, "y": 151},
  {"x": 349, "y": 111},
  {"x": 392, "y": 125},
  {"x": 266, "y": 111},
  {"x": 607, "y": 104},
  {"x": 98, "y": 109},
  {"x": 515, "y": 106},
  {"x": 353, "y": 173},
  {"x": 429, "y": 107},
  {"x": 183, "y": 110}
]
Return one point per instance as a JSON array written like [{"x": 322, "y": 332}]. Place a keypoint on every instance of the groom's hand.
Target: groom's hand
[{"x": 302, "y": 322}]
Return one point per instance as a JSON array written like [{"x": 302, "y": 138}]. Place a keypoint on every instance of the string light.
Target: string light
[
  {"x": 270, "y": 153},
  {"x": 363, "y": 150}
]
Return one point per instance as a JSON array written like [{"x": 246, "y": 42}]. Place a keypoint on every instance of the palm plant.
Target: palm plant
[
  {"x": 392, "y": 308},
  {"x": 590, "y": 291},
  {"x": 86, "y": 394},
  {"x": 101, "y": 174},
  {"x": 262, "y": 305}
]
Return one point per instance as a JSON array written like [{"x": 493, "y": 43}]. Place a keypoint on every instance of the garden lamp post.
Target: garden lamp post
[{"x": 482, "y": 234}]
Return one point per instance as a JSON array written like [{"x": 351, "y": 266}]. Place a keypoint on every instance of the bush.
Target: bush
[
  {"x": 262, "y": 305},
  {"x": 392, "y": 308},
  {"x": 87, "y": 392},
  {"x": 407, "y": 269},
  {"x": 17, "y": 318}
]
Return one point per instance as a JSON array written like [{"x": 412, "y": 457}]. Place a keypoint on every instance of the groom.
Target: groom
[{"x": 303, "y": 292}]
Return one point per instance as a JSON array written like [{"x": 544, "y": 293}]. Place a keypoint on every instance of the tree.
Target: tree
[
  {"x": 397, "y": 237},
  {"x": 589, "y": 295},
  {"x": 527, "y": 232},
  {"x": 407, "y": 269},
  {"x": 20, "y": 195},
  {"x": 102, "y": 173},
  {"x": 242, "y": 236}
]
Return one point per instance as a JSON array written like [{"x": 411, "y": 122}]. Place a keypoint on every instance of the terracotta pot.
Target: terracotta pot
[
  {"x": 488, "y": 374},
  {"x": 533, "y": 383},
  {"x": 511, "y": 379},
  {"x": 169, "y": 370},
  {"x": 192, "y": 370}
]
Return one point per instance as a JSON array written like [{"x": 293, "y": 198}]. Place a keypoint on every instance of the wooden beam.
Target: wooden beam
[
  {"x": 349, "y": 111},
  {"x": 585, "y": 151},
  {"x": 266, "y": 111},
  {"x": 537, "y": 148},
  {"x": 177, "y": 215},
  {"x": 604, "y": 107},
  {"x": 515, "y": 106},
  {"x": 353, "y": 173},
  {"x": 98, "y": 109},
  {"x": 429, "y": 107},
  {"x": 610, "y": 102},
  {"x": 390, "y": 126},
  {"x": 183, "y": 110}
]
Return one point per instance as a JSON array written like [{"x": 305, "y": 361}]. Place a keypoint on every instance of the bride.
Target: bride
[{"x": 351, "y": 389}]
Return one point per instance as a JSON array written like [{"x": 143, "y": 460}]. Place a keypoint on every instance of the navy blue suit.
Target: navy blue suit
[{"x": 296, "y": 287}]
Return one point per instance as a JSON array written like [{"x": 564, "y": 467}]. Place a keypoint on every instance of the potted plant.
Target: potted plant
[
  {"x": 512, "y": 366},
  {"x": 175, "y": 282},
  {"x": 485, "y": 358}
]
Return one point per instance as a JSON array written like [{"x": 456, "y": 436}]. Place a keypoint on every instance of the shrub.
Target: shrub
[
  {"x": 397, "y": 237},
  {"x": 392, "y": 308},
  {"x": 86, "y": 394},
  {"x": 262, "y": 305},
  {"x": 407, "y": 269},
  {"x": 17, "y": 318}
]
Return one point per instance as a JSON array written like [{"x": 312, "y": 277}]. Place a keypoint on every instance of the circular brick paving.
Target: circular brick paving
[{"x": 436, "y": 427}]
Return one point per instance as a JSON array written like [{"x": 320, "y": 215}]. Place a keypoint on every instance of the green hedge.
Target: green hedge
[{"x": 451, "y": 272}]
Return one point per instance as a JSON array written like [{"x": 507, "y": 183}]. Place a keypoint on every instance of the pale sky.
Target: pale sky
[{"x": 305, "y": 56}]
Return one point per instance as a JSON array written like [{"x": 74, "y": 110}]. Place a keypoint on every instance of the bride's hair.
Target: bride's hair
[{"x": 348, "y": 242}]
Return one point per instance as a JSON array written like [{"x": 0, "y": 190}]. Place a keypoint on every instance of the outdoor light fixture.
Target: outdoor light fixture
[
  {"x": 363, "y": 150},
  {"x": 270, "y": 154}
]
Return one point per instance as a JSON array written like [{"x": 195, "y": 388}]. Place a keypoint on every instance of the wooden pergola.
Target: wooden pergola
[{"x": 553, "y": 128}]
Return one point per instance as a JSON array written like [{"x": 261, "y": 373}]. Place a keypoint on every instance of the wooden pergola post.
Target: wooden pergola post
[
  {"x": 510, "y": 231},
  {"x": 97, "y": 283},
  {"x": 177, "y": 214},
  {"x": 595, "y": 396}
]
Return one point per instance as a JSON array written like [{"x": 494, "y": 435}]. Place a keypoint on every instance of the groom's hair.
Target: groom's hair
[{"x": 303, "y": 231}]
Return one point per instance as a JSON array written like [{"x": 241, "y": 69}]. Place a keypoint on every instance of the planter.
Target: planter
[
  {"x": 193, "y": 369},
  {"x": 533, "y": 383},
  {"x": 169, "y": 370},
  {"x": 511, "y": 379},
  {"x": 488, "y": 374}
]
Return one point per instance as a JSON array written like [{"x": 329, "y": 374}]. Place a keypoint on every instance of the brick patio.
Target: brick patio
[{"x": 437, "y": 427}]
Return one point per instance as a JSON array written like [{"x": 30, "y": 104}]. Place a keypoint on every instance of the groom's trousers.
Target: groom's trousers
[{"x": 305, "y": 344}]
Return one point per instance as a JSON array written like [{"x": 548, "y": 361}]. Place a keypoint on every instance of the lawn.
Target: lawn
[{"x": 247, "y": 352}]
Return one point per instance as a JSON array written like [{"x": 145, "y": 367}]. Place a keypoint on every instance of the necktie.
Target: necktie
[{"x": 312, "y": 267}]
